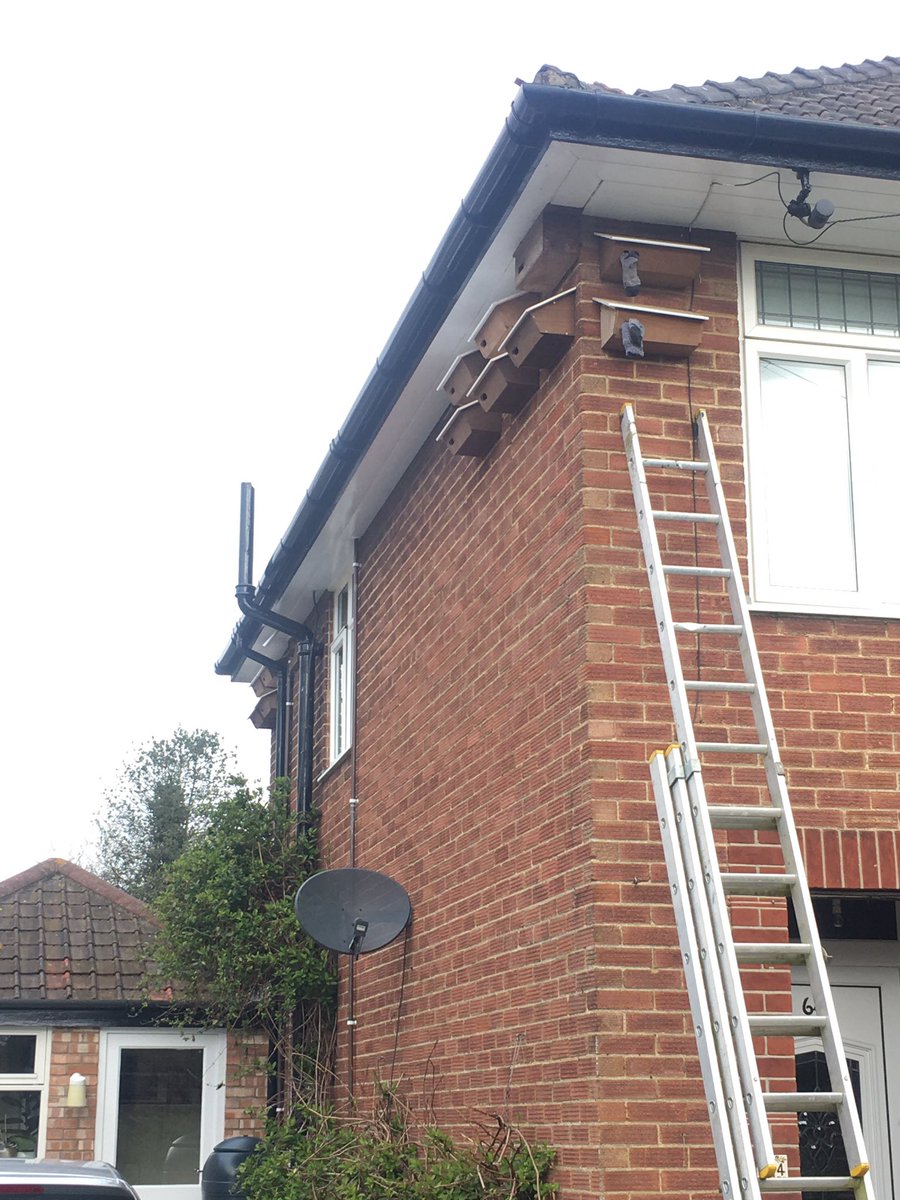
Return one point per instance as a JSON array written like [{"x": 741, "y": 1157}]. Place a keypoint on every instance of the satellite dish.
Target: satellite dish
[{"x": 351, "y": 910}]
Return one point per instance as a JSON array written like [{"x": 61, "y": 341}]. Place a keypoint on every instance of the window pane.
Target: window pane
[
  {"x": 773, "y": 295},
  {"x": 343, "y": 610},
  {"x": 803, "y": 297},
  {"x": 883, "y": 422},
  {"x": 831, "y": 300},
  {"x": 160, "y": 1093},
  {"x": 806, "y": 475},
  {"x": 20, "y": 1119},
  {"x": 884, "y": 306},
  {"x": 340, "y": 697},
  {"x": 17, "y": 1053},
  {"x": 856, "y": 299}
]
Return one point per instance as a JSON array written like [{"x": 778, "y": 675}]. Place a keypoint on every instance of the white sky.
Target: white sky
[{"x": 211, "y": 216}]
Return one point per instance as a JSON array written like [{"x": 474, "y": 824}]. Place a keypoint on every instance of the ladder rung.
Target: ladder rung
[
  {"x": 741, "y": 816},
  {"x": 696, "y": 627},
  {"x": 757, "y": 883},
  {"x": 772, "y": 952},
  {"x": 734, "y": 747},
  {"x": 714, "y": 685},
  {"x": 678, "y": 464},
  {"x": 802, "y": 1101},
  {"x": 671, "y": 514},
  {"x": 705, "y": 572},
  {"x": 808, "y": 1183},
  {"x": 786, "y": 1025}
]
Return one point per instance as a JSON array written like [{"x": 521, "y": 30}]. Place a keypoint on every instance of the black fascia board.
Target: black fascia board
[
  {"x": 540, "y": 115},
  {"x": 85, "y": 1013}
]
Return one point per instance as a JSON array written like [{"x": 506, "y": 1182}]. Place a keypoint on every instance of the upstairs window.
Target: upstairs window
[
  {"x": 823, "y": 424},
  {"x": 341, "y": 679}
]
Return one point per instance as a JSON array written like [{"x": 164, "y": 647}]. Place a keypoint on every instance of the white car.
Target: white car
[{"x": 56, "y": 1180}]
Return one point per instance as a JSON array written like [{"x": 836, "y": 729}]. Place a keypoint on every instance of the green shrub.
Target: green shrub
[
  {"x": 323, "y": 1155},
  {"x": 230, "y": 949}
]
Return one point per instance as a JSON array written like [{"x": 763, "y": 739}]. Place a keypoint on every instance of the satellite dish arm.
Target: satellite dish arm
[{"x": 359, "y": 932}]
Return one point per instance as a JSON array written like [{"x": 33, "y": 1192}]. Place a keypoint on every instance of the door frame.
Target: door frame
[
  {"x": 213, "y": 1043},
  {"x": 875, "y": 965}
]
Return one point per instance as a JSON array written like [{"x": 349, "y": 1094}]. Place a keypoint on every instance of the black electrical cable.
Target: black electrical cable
[
  {"x": 840, "y": 221},
  {"x": 716, "y": 183},
  {"x": 794, "y": 241},
  {"x": 400, "y": 1003}
]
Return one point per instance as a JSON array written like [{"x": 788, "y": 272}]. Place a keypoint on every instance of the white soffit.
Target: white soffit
[
  {"x": 708, "y": 194},
  {"x": 608, "y": 183}
]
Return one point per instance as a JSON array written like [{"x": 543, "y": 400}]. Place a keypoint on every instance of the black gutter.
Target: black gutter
[
  {"x": 705, "y": 131},
  {"x": 539, "y": 115}
]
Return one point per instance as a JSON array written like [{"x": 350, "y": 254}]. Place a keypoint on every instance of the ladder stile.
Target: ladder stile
[
  {"x": 688, "y": 822},
  {"x": 697, "y": 816},
  {"x": 718, "y": 1067}
]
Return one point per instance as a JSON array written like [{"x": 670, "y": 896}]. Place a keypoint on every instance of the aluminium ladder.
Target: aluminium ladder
[{"x": 739, "y": 1106}]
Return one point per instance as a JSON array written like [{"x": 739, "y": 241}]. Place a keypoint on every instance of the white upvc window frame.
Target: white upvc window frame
[
  {"x": 33, "y": 1081},
  {"x": 341, "y": 675},
  {"x": 852, "y": 351}
]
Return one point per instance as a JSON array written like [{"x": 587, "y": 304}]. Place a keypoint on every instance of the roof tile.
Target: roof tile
[
  {"x": 866, "y": 93},
  {"x": 69, "y": 936}
]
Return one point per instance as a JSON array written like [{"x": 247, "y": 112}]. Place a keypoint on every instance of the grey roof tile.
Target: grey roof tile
[
  {"x": 67, "y": 935},
  {"x": 866, "y": 93}
]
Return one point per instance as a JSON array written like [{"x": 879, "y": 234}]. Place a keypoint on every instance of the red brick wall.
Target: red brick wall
[
  {"x": 510, "y": 691},
  {"x": 245, "y": 1096},
  {"x": 71, "y": 1131},
  {"x": 475, "y": 787}
]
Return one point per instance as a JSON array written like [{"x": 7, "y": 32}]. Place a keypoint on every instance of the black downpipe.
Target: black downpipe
[{"x": 305, "y": 729}]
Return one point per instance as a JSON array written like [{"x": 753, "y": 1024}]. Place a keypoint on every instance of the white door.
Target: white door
[
  {"x": 161, "y": 1107},
  {"x": 867, "y": 999}
]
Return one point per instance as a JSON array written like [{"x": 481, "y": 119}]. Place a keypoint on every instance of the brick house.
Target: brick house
[
  {"x": 73, "y": 953},
  {"x": 490, "y": 685}
]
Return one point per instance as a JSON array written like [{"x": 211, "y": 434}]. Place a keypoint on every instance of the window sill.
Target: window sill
[
  {"x": 338, "y": 762},
  {"x": 888, "y": 612}
]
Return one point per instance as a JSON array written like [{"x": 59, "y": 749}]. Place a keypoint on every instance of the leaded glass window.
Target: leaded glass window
[
  {"x": 821, "y": 1142},
  {"x": 800, "y": 296}
]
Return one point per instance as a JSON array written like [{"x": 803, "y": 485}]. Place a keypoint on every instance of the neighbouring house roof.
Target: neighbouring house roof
[
  {"x": 66, "y": 935},
  {"x": 865, "y": 93},
  {"x": 832, "y": 120}
]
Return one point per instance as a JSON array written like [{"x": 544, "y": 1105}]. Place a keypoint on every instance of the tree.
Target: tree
[
  {"x": 230, "y": 947},
  {"x": 163, "y": 799}
]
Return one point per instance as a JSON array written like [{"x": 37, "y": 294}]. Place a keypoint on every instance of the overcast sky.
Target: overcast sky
[{"x": 211, "y": 216}]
